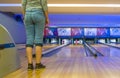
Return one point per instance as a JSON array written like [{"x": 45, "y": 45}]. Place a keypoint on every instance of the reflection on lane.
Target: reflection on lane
[
  {"x": 114, "y": 52},
  {"x": 106, "y": 50},
  {"x": 71, "y": 51}
]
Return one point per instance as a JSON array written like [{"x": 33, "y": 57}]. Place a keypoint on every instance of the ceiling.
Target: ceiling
[{"x": 97, "y": 10}]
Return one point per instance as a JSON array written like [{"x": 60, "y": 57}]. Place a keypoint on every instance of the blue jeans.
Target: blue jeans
[{"x": 34, "y": 24}]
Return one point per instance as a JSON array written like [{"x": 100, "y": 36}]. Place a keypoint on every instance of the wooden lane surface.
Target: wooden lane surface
[
  {"x": 107, "y": 51},
  {"x": 71, "y": 63}
]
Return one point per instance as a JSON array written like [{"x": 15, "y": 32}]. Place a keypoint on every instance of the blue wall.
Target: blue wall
[{"x": 85, "y": 20}]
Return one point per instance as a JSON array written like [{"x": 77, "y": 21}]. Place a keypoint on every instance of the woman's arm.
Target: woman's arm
[
  {"x": 46, "y": 18},
  {"x": 45, "y": 8}
]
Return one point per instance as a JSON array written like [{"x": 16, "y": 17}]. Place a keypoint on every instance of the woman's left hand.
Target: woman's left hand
[{"x": 47, "y": 22}]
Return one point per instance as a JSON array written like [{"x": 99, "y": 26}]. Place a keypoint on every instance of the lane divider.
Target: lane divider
[
  {"x": 50, "y": 50},
  {"x": 110, "y": 45}
]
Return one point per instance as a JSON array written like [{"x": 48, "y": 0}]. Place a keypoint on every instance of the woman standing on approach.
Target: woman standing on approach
[{"x": 35, "y": 18}]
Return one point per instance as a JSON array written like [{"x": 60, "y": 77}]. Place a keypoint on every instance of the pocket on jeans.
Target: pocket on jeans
[{"x": 38, "y": 17}]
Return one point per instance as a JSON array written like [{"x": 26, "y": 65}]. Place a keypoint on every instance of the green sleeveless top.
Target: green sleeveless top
[{"x": 33, "y": 4}]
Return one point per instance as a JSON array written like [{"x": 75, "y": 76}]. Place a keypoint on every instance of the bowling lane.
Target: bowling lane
[
  {"x": 107, "y": 50},
  {"x": 70, "y": 62}
]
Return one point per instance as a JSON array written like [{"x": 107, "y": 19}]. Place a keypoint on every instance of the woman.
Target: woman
[{"x": 35, "y": 18}]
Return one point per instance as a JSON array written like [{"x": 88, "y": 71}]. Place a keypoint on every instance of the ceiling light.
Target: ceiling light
[{"x": 67, "y": 5}]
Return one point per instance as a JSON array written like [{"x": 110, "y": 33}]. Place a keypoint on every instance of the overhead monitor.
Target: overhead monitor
[
  {"x": 50, "y": 32},
  {"x": 90, "y": 32},
  {"x": 77, "y": 32},
  {"x": 64, "y": 31},
  {"x": 115, "y": 32},
  {"x": 102, "y": 32}
]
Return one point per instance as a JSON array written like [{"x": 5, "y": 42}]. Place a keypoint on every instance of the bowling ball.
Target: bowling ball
[{"x": 95, "y": 55}]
